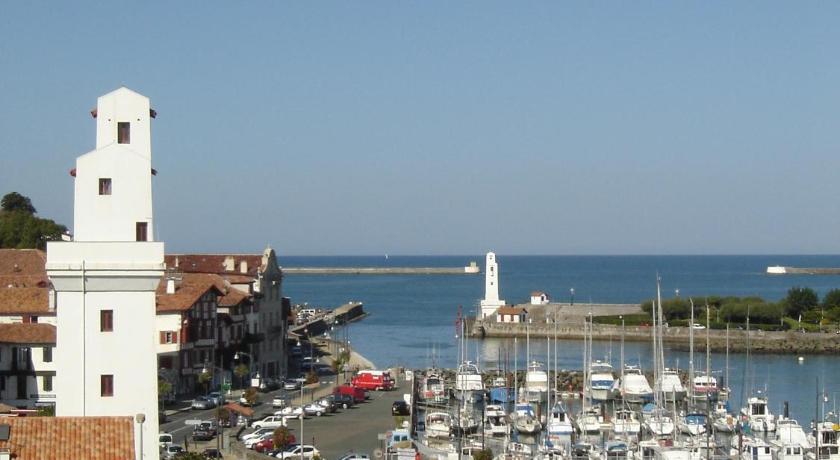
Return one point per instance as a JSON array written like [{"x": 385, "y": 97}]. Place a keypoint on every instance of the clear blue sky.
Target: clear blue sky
[{"x": 446, "y": 127}]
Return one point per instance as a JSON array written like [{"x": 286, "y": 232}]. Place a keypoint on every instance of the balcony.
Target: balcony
[{"x": 253, "y": 337}]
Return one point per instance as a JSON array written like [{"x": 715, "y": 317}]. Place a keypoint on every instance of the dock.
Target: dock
[
  {"x": 778, "y": 270},
  {"x": 468, "y": 270}
]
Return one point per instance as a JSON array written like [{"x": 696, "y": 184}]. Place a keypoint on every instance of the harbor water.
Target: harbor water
[{"x": 412, "y": 317}]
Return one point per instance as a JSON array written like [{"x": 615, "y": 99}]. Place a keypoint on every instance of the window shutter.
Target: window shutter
[
  {"x": 162, "y": 337},
  {"x": 175, "y": 337}
]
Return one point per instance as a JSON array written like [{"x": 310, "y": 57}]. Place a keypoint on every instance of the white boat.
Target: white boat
[
  {"x": 786, "y": 451},
  {"x": 788, "y": 431},
  {"x": 589, "y": 421},
  {"x": 536, "y": 382},
  {"x": 693, "y": 424},
  {"x": 516, "y": 451},
  {"x": 725, "y": 423},
  {"x": 652, "y": 450},
  {"x": 524, "y": 419},
  {"x": 705, "y": 387},
  {"x": 670, "y": 385},
  {"x": 751, "y": 449},
  {"x": 601, "y": 381},
  {"x": 758, "y": 415},
  {"x": 496, "y": 421},
  {"x": 469, "y": 384},
  {"x": 634, "y": 386},
  {"x": 826, "y": 440},
  {"x": 559, "y": 422},
  {"x": 626, "y": 422},
  {"x": 613, "y": 450},
  {"x": 659, "y": 424},
  {"x": 438, "y": 425}
]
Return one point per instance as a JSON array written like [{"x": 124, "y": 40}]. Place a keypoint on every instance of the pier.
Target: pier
[{"x": 778, "y": 270}]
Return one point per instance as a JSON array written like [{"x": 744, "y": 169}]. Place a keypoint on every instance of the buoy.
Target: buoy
[{"x": 801, "y": 358}]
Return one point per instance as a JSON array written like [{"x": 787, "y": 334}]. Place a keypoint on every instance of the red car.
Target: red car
[{"x": 267, "y": 445}]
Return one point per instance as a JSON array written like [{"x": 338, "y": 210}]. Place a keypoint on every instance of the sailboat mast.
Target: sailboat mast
[
  {"x": 708, "y": 351},
  {"x": 691, "y": 352}
]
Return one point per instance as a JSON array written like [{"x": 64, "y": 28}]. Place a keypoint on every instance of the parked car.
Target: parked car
[
  {"x": 204, "y": 431},
  {"x": 202, "y": 403},
  {"x": 217, "y": 398},
  {"x": 170, "y": 452},
  {"x": 272, "y": 421},
  {"x": 265, "y": 444},
  {"x": 256, "y": 434},
  {"x": 358, "y": 394},
  {"x": 291, "y": 385},
  {"x": 400, "y": 408},
  {"x": 280, "y": 400},
  {"x": 354, "y": 456},
  {"x": 212, "y": 453},
  {"x": 295, "y": 452},
  {"x": 314, "y": 409},
  {"x": 344, "y": 400},
  {"x": 329, "y": 404},
  {"x": 249, "y": 444}
]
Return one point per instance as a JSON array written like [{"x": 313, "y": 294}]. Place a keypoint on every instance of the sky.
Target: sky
[{"x": 426, "y": 127}]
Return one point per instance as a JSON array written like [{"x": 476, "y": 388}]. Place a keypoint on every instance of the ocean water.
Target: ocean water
[{"x": 412, "y": 318}]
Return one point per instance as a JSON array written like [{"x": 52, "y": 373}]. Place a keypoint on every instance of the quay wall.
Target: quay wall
[
  {"x": 378, "y": 271},
  {"x": 678, "y": 337}
]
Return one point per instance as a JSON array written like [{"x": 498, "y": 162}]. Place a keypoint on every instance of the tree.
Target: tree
[
  {"x": 831, "y": 299},
  {"x": 14, "y": 201},
  {"x": 282, "y": 438},
  {"x": 204, "y": 379},
  {"x": 241, "y": 371},
  {"x": 250, "y": 396},
  {"x": 799, "y": 300}
]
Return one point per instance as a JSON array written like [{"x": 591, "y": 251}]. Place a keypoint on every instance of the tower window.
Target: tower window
[
  {"x": 48, "y": 383},
  {"x": 47, "y": 354},
  {"x": 104, "y": 185},
  {"x": 142, "y": 231},
  {"x": 106, "y": 385},
  {"x": 106, "y": 320},
  {"x": 123, "y": 132}
]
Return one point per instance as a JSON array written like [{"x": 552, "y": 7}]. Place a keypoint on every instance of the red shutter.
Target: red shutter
[
  {"x": 162, "y": 337},
  {"x": 175, "y": 337}
]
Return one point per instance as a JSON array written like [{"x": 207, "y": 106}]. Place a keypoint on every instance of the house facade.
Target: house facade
[
  {"x": 539, "y": 298},
  {"x": 27, "y": 364},
  {"x": 511, "y": 315}
]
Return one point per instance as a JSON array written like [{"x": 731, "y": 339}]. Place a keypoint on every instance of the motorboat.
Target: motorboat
[
  {"x": 786, "y": 451},
  {"x": 670, "y": 386},
  {"x": 467, "y": 422},
  {"x": 536, "y": 382},
  {"x": 615, "y": 450},
  {"x": 589, "y": 421},
  {"x": 626, "y": 422},
  {"x": 524, "y": 419},
  {"x": 825, "y": 438},
  {"x": 788, "y": 431},
  {"x": 559, "y": 422},
  {"x": 693, "y": 424},
  {"x": 469, "y": 385},
  {"x": 438, "y": 425},
  {"x": 634, "y": 386},
  {"x": 751, "y": 449},
  {"x": 705, "y": 387},
  {"x": 758, "y": 415},
  {"x": 725, "y": 423},
  {"x": 601, "y": 381},
  {"x": 516, "y": 451},
  {"x": 433, "y": 389},
  {"x": 495, "y": 421}
]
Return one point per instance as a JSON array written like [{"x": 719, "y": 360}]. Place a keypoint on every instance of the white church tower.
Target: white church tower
[
  {"x": 105, "y": 279},
  {"x": 491, "y": 300}
]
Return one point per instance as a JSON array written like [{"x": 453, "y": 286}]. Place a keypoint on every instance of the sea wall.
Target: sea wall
[{"x": 677, "y": 337}]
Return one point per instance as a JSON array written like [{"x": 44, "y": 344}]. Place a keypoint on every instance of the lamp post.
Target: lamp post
[{"x": 572, "y": 296}]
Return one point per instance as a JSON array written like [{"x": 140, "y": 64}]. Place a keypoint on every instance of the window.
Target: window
[
  {"x": 168, "y": 337},
  {"x": 106, "y": 320},
  {"x": 104, "y": 186},
  {"x": 106, "y": 385},
  {"x": 47, "y": 354},
  {"x": 142, "y": 231},
  {"x": 123, "y": 132},
  {"x": 47, "y": 383}
]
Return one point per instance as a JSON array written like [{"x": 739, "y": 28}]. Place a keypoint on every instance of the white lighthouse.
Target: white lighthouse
[
  {"x": 491, "y": 299},
  {"x": 105, "y": 279}
]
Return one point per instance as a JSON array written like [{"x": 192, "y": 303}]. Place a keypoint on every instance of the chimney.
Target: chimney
[
  {"x": 177, "y": 262},
  {"x": 170, "y": 285},
  {"x": 243, "y": 266}
]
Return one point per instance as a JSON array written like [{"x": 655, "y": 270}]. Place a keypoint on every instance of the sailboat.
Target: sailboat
[
  {"x": 658, "y": 422},
  {"x": 589, "y": 419}
]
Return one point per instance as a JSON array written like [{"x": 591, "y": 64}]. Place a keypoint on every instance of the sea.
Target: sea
[{"x": 412, "y": 318}]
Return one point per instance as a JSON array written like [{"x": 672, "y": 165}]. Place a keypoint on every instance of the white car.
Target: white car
[
  {"x": 272, "y": 421},
  {"x": 295, "y": 452},
  {"x": 290, "y": 411},
  {"x": 164, "y": 440},
  {"x": 256, "y": 434},
  {"x": 170, "y": 452},
  {"x": 278, "y": 401},
  {"x": 698, "y": 326},
  {"x": 249, "y": 444}
]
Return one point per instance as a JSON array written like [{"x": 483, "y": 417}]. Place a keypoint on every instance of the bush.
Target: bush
[
  {"x": 251, "y": 395},
  {"x": 831, "y": 299},
  {"x": 282, "y": 438},
  {"x": 312, "y": 377},
  {"x": 799, "y": 300}
]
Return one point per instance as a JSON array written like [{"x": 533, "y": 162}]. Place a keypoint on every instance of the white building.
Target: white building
[
  {"x": 491, "y": 299},
  {"x": 539, "y": 298},
  {"x": 105, "y": 280},
  {"x": 27, "y": 366},
  {"x": 511, "y": 315}
]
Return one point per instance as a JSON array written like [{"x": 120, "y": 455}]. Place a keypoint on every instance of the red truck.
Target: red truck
[
  {"x": 356, "y": 393},
  {"x": 373, "y": 380}
]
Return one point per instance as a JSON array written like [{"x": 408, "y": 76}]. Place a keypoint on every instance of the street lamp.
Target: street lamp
[
  {"x": 209, "y": 367},
  {"x": 250, "y": 359},
  {"x": 571, "y": 296}
]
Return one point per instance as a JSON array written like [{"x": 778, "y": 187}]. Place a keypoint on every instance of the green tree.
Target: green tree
[
  {"x": 250, "y": 396},
  {"x": 282, "y": 438},
  {"x": 14, "y": 201},
  {"x": 204, "y": 379},
  {"x": 312, "y": 377},
  {"x": 799, "y": 300},
  {"x": 831, "y": 299},
  {"x": 241, "y": 371}
]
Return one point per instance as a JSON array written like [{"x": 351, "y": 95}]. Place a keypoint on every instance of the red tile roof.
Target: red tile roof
[
  {"x": 233, "y": 297},
  {"x": 56, "y": 438},
  {"x": 511, "y": 310},
  {"x": 214, "y": 263},
  {"x": 33, "y": 333},
  {"x": 188, "y": 291},
  {"x": 24, "y": 300},
  {"x": 23, "y": 268}
]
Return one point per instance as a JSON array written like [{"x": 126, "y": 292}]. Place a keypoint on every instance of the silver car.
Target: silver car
[{"x": 202, "y": 403}]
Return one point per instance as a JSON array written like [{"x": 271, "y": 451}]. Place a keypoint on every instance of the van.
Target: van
[
  {"x": 373, "y": 380},
  {"x": 357, "y": 393}
]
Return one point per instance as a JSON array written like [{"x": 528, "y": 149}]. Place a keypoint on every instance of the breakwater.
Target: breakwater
[
  {"x": 678, "y": 337},
  {"x": 381, "y": 271}
]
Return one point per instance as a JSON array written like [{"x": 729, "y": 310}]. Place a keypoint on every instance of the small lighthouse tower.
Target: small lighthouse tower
[
  {"x": 105, "y": 279},
  {"x": 491, "y": 300}
]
